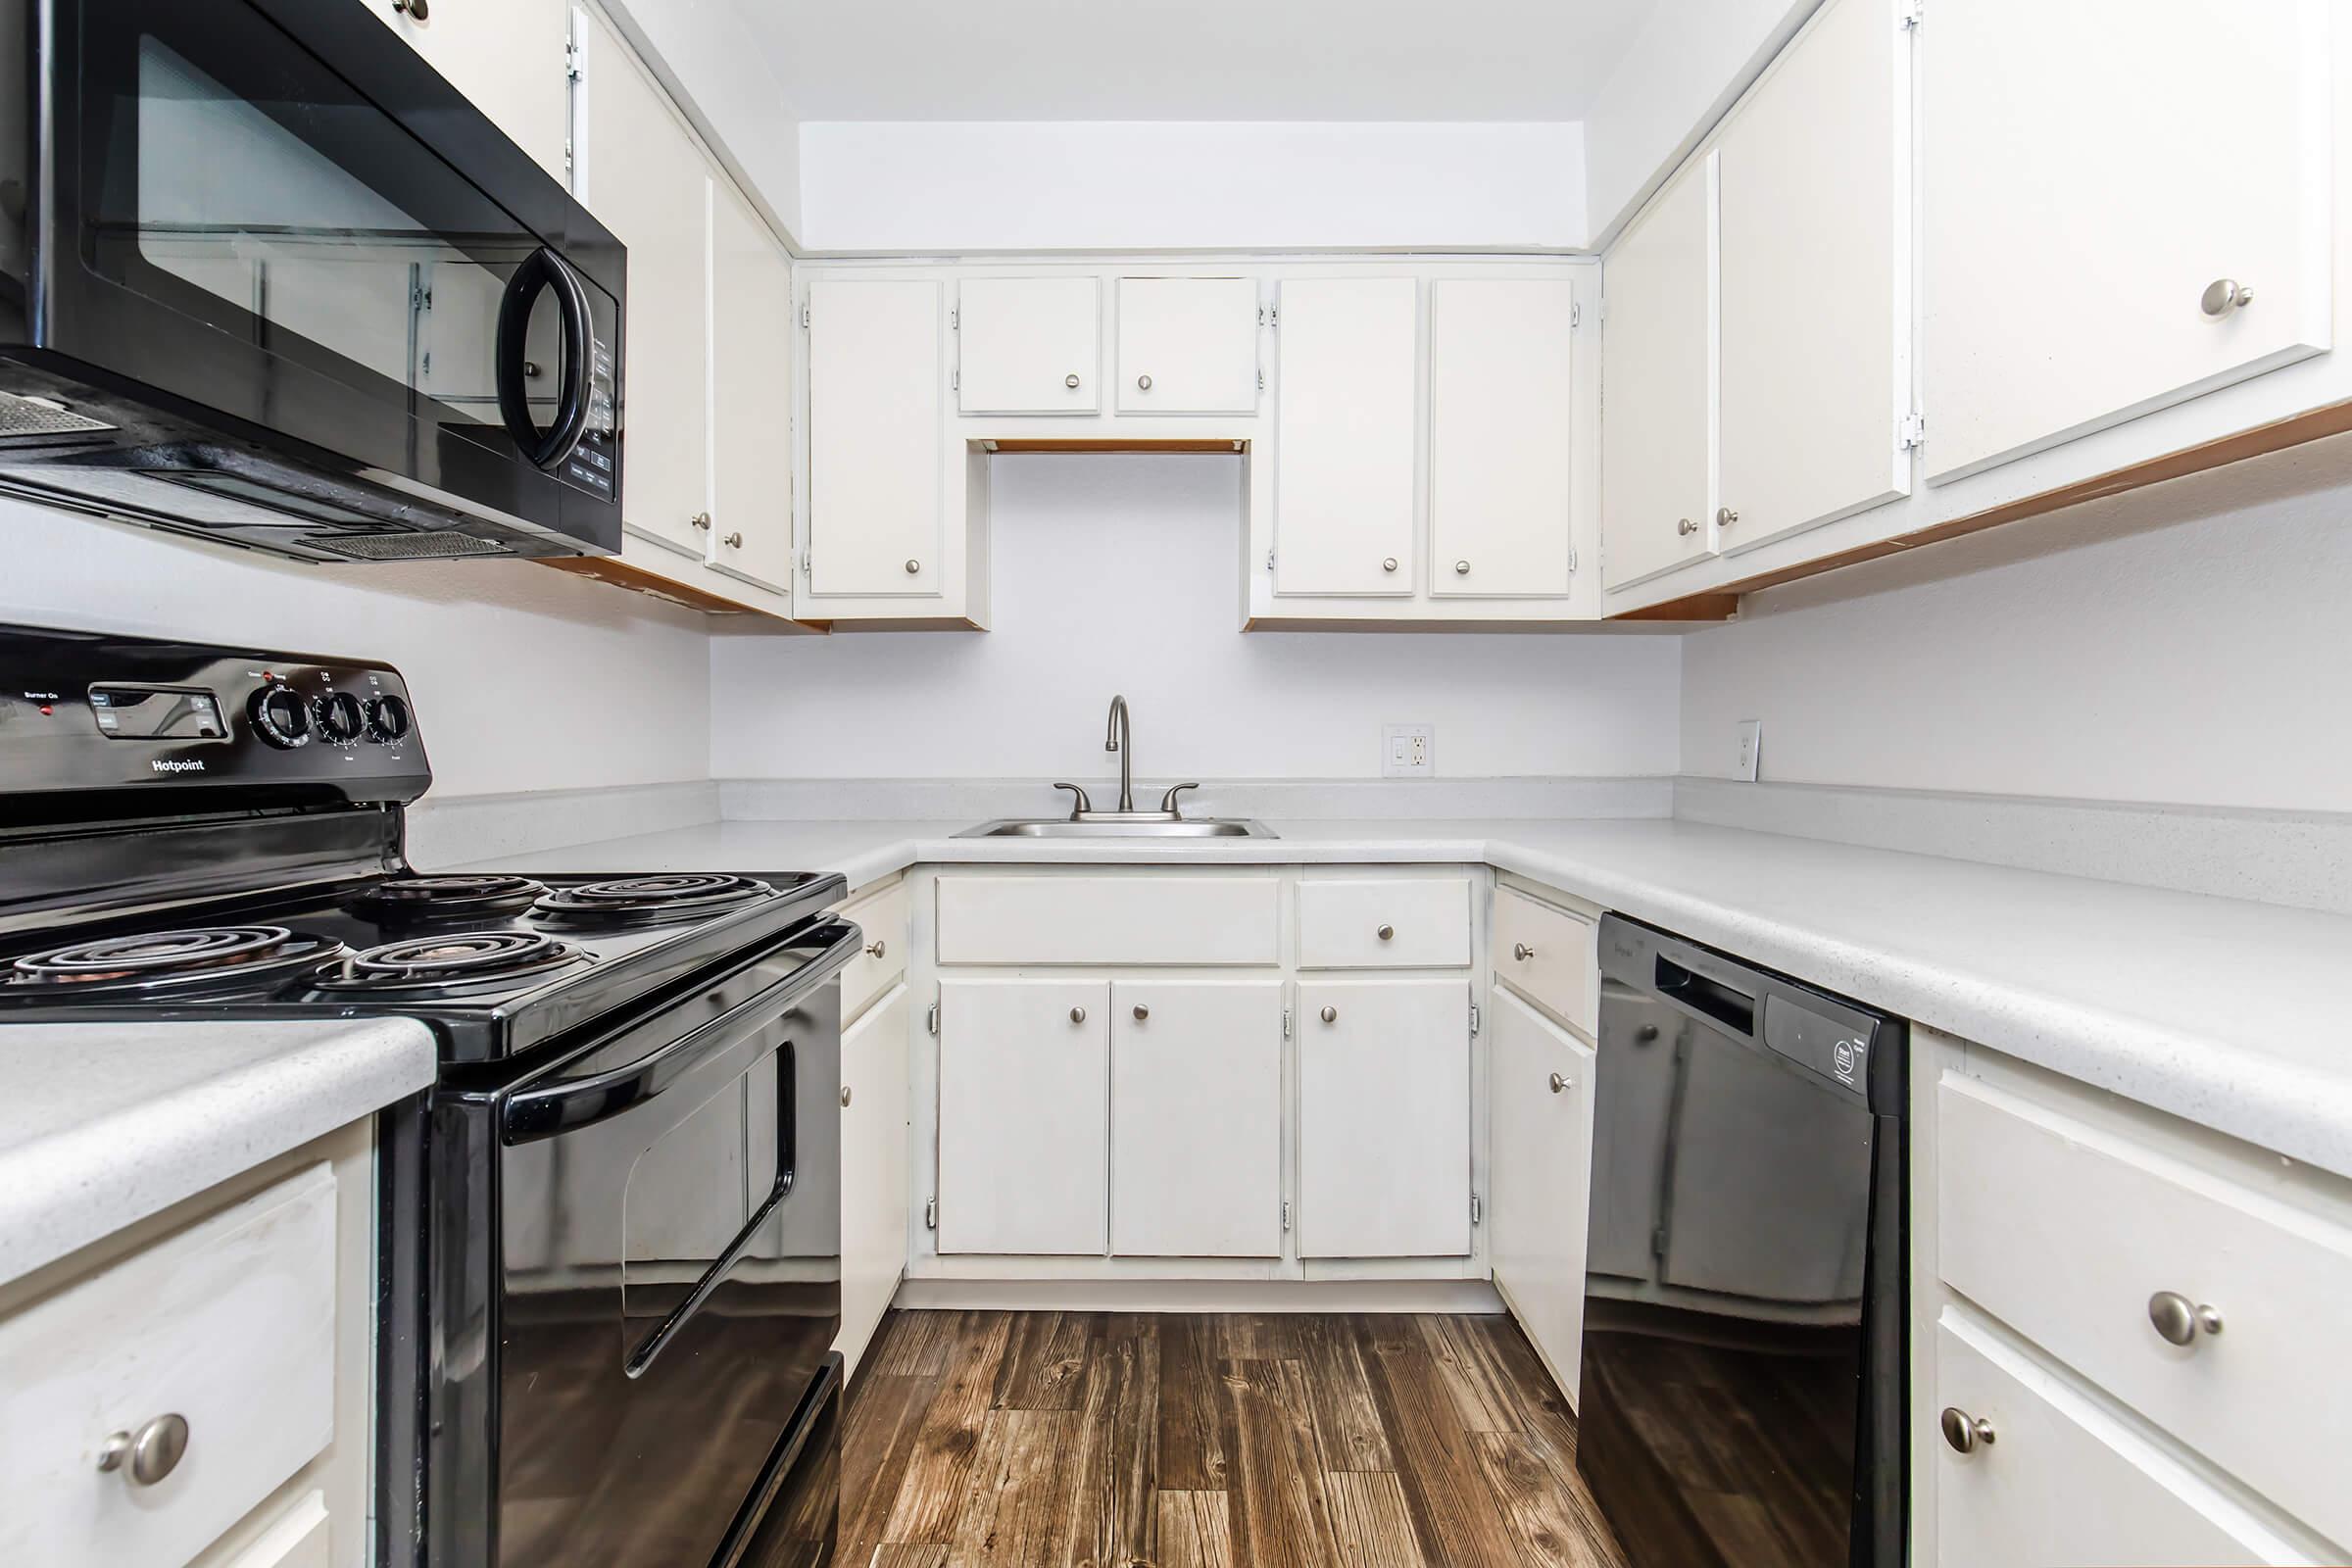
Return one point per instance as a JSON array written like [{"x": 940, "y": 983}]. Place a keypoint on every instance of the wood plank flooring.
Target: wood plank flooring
[{"x": 1109, "y": 1440}]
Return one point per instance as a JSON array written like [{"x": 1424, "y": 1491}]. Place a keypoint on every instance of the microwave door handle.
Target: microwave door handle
[
  {"x": 567, "y": 1105},
  {"x": 663, "y": 1332},
  {"x": 544, "y": 268}
]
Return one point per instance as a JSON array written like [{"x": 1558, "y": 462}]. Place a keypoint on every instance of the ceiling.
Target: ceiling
[{"x": 1345, "y": 59}]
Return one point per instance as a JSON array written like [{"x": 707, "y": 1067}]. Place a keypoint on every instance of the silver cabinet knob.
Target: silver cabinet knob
[
  {"x": 2223, "y": 296},
  {"x": 876, "y": 948},
  {"x": 701, "y": 520},
  {"x": 1387, "y": 933},
  {"x": 1331, "y": 1015},
  {"x": 845, "y": 1097},
  {"x": 1559, "y": 1085},
  {"x": 1461, "y": 569},
  {"x": 1142, "y": 383},
  {"x": 1964, "y": 1432},
  {"x": 1522, "y": 952},
  {"x": 1071, "y": 380},
  {"x": 1388, "y": 564},
  {"x": 1685, "y": 526},
  {"x": 913, "y": 565},
  {"x": 148, "y": 1454},
  {"x": 1077, "y": 1015},
  {"x": 1142, "y": 1012},
  {"x": 735, "y": 541},
  {"x": 1726, "y": 517},
  {"x": 2178, "y": 1320},
  {"x": 416, "y": 10}
]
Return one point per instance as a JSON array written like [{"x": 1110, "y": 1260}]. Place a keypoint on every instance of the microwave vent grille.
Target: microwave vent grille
[
  {"x": 22, "y": 417},
  {"x": 437, "y": 545}
]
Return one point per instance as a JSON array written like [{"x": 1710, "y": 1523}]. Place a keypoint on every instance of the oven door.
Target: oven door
[
  {"x": 284, "y": 254},
  {"x": 668, "y": 1269}
]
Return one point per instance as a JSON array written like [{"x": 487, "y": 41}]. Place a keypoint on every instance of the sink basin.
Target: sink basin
[{"x": 1062, "y": 827}]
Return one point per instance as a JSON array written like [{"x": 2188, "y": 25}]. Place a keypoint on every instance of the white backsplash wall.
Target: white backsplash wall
[
  {"x": 2185, "y": 645},
  {"x": 1123, "y": 573},
  {"x": 526, "y": 678}
]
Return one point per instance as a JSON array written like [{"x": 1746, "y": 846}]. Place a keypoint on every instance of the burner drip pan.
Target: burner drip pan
[
  {"x": 650, "y": 900},
  {"x": 200, "y": 958},
  {"x": 458, "y": 962}
]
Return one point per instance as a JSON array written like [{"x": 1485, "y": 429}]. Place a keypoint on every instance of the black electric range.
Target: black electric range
[{"x": 611, "y": 1233}]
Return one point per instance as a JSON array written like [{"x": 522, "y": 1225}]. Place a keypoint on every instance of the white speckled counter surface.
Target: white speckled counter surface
[
  {"x": 2226, "y": 1012},
  {"x": 104, "y": 1124}
]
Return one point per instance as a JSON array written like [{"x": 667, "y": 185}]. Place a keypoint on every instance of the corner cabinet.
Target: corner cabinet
[{"x": 1541, "y": 1105}]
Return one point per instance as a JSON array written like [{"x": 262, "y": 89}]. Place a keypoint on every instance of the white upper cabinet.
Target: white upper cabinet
[
  {"x": 1346, "y": 422},
  {"x": 1502, "y": 395},
  {"x": 2095, "y": 178},
  {"x": 507, "y": 56},
  {"x": 878, "y": 380},
  {"x": 647, "y": 182},
  {"x": 1030, "y": 345},
  {"x": 1815, "y": 294},
  {"x": 1188, "y": 345},
  {"x": 1657, "y": 384},
  {"x": 751, "y": 383}
]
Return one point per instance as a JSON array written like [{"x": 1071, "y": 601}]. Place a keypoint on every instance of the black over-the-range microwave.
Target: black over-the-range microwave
[{"x": 267, "y": 278}]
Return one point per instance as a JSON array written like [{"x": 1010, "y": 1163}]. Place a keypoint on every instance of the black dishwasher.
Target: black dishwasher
[{"x": 1744, "y": 1372}]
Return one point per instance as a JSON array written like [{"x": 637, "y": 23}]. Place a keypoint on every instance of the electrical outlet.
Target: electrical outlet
[
  {"x": 1751, "y": 746},
  {"x": 1407, "y": 750}
]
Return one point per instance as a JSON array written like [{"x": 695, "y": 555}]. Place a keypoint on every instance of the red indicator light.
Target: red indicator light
[{"x": 46, "y": 710}]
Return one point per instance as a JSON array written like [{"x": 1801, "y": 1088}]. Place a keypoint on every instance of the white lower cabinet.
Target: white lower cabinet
[
  {"x": 874, "y": 1169},
  {"x": 1540, "y": 1099},
  {"x": 1195, "y": 1118},
  {"x": 1384, "y": 1118},
  {"x": 1023, "y": 1116}
]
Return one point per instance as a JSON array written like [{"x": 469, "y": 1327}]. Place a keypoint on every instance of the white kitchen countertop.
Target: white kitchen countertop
[
  {"x": 2226, "y": 1012},
  {"x": 103, "y": 1124}
]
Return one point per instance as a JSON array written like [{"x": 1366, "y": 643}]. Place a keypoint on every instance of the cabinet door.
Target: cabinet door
[
  {"x": 1815, "y": 285},
  {"x": 1024, "y": 1071},
  {"x": 1500, "y": 400},
  {"x": 1030, "y": 345},
  {"x": 1657, "y": 395},
  {"x": 1540, "y": 1099},
  {"x": 1188, "y": 345},
  {"x": 1195, "y": 1119},
  {"x": 647, "y": 182},
  {"x": 1344, "y": 435},
  {"x": 506, "y": 58},
  {"x": 1383, "y": 1119},
  {"x": 2090, "y": 172},
  {"x": 877, "y": 370},
  {"x": 750, "y": 397},
  {"x": 874, "y": 1169}
]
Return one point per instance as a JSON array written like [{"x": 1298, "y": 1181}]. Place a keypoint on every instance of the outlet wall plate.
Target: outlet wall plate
[
  {"x": 1750, "y": 750},
  {"x": 1407, "y": 750}
]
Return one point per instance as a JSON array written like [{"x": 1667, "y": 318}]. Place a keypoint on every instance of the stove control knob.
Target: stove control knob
[
  {"x": 279, "y": 716},
  {"x": 388, "y": 720},
  {"x": 339, "y": 718}
]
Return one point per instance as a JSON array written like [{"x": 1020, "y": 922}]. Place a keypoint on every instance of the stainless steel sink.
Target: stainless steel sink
[{"x": 1062, "y": 827}]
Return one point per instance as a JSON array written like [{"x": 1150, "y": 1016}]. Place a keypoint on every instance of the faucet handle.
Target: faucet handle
[
  {"x": 1167, "y": 802},
  {"x": 1079, "y": 807}
]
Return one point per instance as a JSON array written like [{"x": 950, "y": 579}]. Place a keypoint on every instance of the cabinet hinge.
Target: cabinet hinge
[
  {"x": 1601, "y": 310},
  {"x": 954, "y": 318},
  {"x": 573, "y": 70},
  {"x": 568, "y": 164},
  {"x": 1911, "y": 13},
  {"x": 808, "y": 569},
  {"x": 1270, "y": 561},
  {"x": 1576, "y": 312},
  {"x": 803, "y": 313},
  {"x": 931, "y": 1019},
  {"x": 1477, "y": 1210},
  {"x": 1286, "y": 1034},
  {"x": 1657, "y": 1241},
  {"x": 1911, "y": 431},
  {"x": 930, "y": 1213},
  {"x": 1286, "y": 1213},
  {"x": 956, "y": 380},
  {"x": 1572, "y": 561},
  {"x": 1272, "y": 315},
  {"x": 1261, "y": 380},
  {"x": 1474, "y": 1018}
]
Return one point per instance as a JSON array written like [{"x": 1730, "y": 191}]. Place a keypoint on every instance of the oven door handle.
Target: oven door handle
[{"x": 565, "y": 1106}]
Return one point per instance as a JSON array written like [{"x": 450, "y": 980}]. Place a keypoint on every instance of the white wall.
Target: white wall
[
  {"x": 1675, "y": 80},
  {"x": 525, "y": 677},
  {"x": 960, "y": 186},
  {"x": 1123, "y": 573},
  {"x": 2188, "y": 645}
]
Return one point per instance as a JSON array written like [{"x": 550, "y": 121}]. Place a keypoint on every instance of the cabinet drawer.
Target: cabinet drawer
[
  {"x": 1395, "y": 924},
  {"x": 882, "y": 917},
  {"x": 1549, "y": 956},
  {"x": 2062, "y": 1479},
  {"x": 2066, "y": 1232},
  {"x": 230, "y": 1326},
  {"x": 1109, "y": 919}
]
